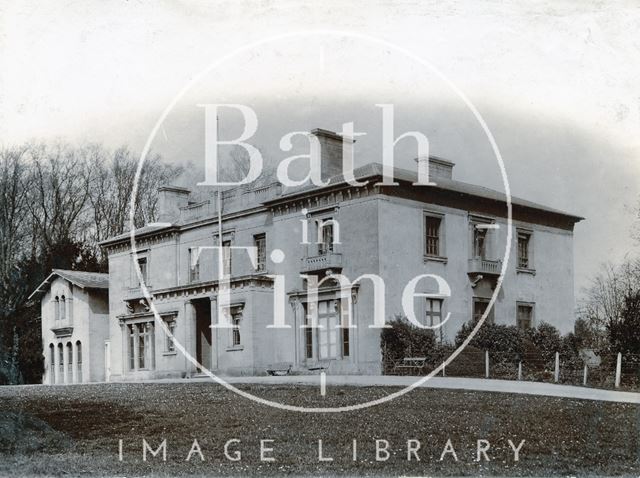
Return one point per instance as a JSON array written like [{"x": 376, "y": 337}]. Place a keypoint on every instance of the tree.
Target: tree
[{"x": 624, "y": 333}]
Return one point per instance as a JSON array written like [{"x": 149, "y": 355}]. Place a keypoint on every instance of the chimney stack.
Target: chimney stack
[
  {"x": 330, "y": 152},
  {"x": 438, "y": 168},
  {"x": 170, "y": 200}
]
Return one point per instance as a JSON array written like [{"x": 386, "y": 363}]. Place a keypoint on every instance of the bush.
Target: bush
[{"x": 404, "y": 339}]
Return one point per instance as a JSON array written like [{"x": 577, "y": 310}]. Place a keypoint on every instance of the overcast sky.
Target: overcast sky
[{"x": 558, "y": 84}]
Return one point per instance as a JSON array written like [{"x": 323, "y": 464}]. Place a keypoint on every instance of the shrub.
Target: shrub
[{"x": 403, "y": 339}]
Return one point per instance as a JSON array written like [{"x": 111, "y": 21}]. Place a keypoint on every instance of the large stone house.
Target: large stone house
[{"x": 453, "y": 229}]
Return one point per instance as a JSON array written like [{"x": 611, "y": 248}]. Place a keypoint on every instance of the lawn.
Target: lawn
[{"x": 76, "y": 430}]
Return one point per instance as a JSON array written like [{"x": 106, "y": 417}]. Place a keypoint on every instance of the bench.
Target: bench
[
  {"x": 320, "y": 366},
  {"x": 410, "y": 364},
  {"x": 282, "y": 368}
]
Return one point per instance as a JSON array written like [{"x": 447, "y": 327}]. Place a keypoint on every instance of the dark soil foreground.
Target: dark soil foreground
[{"x": 76, "y": 430}]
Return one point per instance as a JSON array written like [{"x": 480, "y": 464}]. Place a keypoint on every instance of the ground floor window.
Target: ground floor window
[
  {"x": 78, "y": 362},
  {"x": 525, "y": 316},
  {"x": 140, "y": 350},
  {"x": 52, "y": 364},
  {"x": 170, "y": 345},
  {"x": 60, "y": 363},
  {"x": 236, "y": 317},
  {"x": 330, "y": 339},
  {"x": 480, "y": 306}
]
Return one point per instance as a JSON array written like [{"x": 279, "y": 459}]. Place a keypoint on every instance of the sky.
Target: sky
[{"x": 555, "y": 82}]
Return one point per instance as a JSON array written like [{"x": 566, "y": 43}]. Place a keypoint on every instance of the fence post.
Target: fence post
[
  {"x": 618, "y": 369},
  {"x": 557, "y": 371},
  {"x": 486, "y": 364},
  {"x": 584, "y": 376},
  {"x": 443, "y": 366},
  {"x": 520, "y": 370}
]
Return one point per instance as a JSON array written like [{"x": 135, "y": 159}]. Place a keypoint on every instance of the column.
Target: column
[
  {"x": 74, "y": 363},
  {"x": 189, "y": 324},
  {"x": 214, "y": 332},
  {"x": 124, "y": 349},
  {"x": 53, "y": 371}
]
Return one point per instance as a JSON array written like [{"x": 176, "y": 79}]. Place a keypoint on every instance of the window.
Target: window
[
  {"x": 140, "y": 346},
  {"x": 344, "y": 307},
  {"x": 169, "y": 345},
  {"x": 63, "y": 308},
  {"x": 479, "y": 241},
  {"x": 52, "y": 364},
  {"x": 69, "y": 362},
  {"x": 260, "y": 242},
  {"x": 78, "y": 362},
  {"x": 433, "y": 315},
  {"x": 142, "y": 263},
  {"x": 236, "y": 317},
  {"x": 226, "y": 257},
  {"x": 525, "y": 316},
  {"x": 432, "y": 235},
  {"x": 56, "y": 304},
  {"x": 325, "y": 234},
  {"x": 60, "y": 363},
  {"x": 479, "y": 308},
  {"x": 524, "y": 260},
  {"x": 194, "y": 265},
  {"x": 331, "y": 340}
]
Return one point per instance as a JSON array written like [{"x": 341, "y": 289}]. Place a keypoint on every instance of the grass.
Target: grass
[{"x": 75, "y": 430}]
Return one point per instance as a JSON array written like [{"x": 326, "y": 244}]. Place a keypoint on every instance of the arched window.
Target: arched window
[
  {"x": 56, "y": 305},
  {"x": 52, "y": 364},
  {"x": 69, "y": 362},
  {"x": 63, "y": 308},
  {"x": 79, "y": 361},
  {"x": 60, "y": 364}
]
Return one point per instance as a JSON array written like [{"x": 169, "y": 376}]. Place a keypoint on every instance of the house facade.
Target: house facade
[
  {"x": 453, "y": 230},
  {"x": 75, "y": 326}
]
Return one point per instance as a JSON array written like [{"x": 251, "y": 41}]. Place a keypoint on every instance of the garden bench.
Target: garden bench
[
  {"x": 409, "y": 364},
  {"x": 320, "y": 366},
  {"x": 282, "y": 368}
]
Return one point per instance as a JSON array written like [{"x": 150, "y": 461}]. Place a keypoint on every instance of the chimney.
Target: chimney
[
  {"x": 330, "y": 152},
  {"x": 439, "y": 168},
  {"x": 170, "y": 200}
]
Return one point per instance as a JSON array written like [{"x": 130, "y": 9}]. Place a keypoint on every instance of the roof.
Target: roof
[
  {"x": 371, "y": 170},
  {"x": 82, "y": 279},
  {"x": 141, "y": 231}
]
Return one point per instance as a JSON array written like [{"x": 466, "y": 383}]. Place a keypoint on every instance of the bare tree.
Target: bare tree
[
  {"x": 603, "y": 300},
  {"x": 112, "y": 180}
]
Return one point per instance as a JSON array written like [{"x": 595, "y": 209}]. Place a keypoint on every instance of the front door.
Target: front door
[{"x": 203, "y": 334}]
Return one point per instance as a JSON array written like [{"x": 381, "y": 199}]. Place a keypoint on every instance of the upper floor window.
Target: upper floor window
[
  {"x": 433, "y": 242},
  {"x": 260, "y": 243},
  {"x": 325, "y": 236},
  {"x": 56, "y": 305},
  {"x": 226, "y": 257},
  {"x": 63, "y": 308},
  {"x": 524, "y": 250},
  {"x": 143, "y": 264},
  {"x": 479, "y": 241},
  {"x": 194, "y": 265},
  {"x": 525, "y": 316}
]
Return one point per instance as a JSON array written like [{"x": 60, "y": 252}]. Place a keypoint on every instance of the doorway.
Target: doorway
[{"x": 203, "y": 333}]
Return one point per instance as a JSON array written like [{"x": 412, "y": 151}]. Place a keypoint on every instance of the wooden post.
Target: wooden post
[
  {"x": 557, "y": 372},
  {"x": 519, "y": 370},
  {"x": 584, "y": 376},
  {"x": 443, "y": 366},
  {"x": 618, "y": 369},
  {"x": 486, "y": 364}
]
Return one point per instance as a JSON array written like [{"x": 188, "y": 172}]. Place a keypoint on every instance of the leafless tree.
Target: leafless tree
[
  {"x": 603, "y": 300},
  {"x": 13, "y": 209}
]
